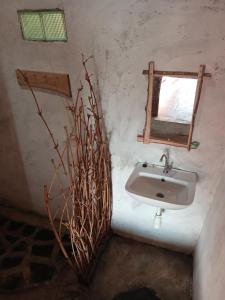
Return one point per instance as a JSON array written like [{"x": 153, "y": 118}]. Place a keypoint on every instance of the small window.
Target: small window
[{"x": 43, "y": 25}]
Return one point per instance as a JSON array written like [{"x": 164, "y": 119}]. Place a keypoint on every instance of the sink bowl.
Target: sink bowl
[{"x": 149, "y": 184}]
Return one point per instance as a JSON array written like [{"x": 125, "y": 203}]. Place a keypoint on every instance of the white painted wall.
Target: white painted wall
[
  {"x": 209, "y": 272},
  {"x": 123, "y": 36}
]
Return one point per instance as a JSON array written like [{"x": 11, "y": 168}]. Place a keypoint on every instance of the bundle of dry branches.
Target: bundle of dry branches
[{"x": 85, "y": 210}]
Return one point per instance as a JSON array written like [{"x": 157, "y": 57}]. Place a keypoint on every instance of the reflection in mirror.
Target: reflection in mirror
[
  {"x": 172, "y": 108},
  {"x": 176, "y": 99}
]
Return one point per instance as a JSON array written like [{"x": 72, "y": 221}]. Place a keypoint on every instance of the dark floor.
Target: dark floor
[
  {"x": 29, "y": 255},
  {"x": 127, "y": 265},
  {"x": 32, "y": 266},
  {"x": 32, "y": 269}
]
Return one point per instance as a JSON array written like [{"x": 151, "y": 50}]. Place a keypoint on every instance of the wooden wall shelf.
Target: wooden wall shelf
[{"x": 56, "y": 82}]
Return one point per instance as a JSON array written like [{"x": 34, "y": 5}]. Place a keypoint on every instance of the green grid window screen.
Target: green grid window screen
[{"x": 43, "y": 25}]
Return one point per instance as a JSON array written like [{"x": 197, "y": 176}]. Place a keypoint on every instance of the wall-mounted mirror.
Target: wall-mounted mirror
[{"x": 172, "y": 103}]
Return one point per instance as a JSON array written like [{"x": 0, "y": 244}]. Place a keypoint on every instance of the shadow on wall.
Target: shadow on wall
[
  {"x": 209, "y": 255},
  {"x": 13, "y": 183}
]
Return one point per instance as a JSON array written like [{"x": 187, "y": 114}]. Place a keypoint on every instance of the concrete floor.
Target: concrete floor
[
  {"x": 124, "y": 265},
  {"x": 128, "y": 264}
]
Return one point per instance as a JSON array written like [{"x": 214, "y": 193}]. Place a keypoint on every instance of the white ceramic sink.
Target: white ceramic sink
[{"x": 149, "y": 184}]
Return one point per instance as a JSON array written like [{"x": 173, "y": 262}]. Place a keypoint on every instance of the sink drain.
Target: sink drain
[{"x": 160, "y": 195}]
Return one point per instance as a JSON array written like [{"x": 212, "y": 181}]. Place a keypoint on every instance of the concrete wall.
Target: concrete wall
[
  {"x": 124, "y": 36},
  {"x": 209, "y": 272}
]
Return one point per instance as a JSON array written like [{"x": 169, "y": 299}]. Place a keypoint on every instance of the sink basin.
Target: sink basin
[{"x": 174, "y": 190}]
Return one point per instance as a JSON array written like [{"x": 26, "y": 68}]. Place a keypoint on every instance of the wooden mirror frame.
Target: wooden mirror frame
[{"x": 146, "y": 138}]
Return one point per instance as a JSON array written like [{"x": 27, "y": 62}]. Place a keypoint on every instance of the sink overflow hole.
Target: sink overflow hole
[
  {"x": 160, "y": 195},
  {"x": 163, "y": 180}
]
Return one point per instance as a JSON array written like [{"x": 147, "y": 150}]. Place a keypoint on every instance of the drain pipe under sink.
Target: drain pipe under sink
[{"x": 157, "y": 222}]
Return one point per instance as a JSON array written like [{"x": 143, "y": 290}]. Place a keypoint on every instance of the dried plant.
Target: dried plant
[{"x": 85, "y": 199}]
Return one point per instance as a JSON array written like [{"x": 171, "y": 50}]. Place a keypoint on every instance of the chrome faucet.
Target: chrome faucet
[{"x": 168, "y": 166}]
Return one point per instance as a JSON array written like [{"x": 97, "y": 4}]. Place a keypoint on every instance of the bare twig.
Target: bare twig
[
  {"x": 39, "y": 111},
  {"x": 85, "y": 203}
]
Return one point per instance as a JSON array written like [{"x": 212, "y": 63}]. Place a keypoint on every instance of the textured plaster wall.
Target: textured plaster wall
[
  {"x": 123, "y": 36},
  {"x": 209, "y": 273}
]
